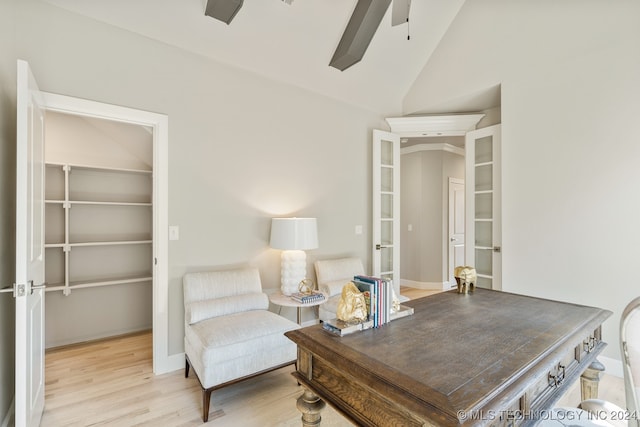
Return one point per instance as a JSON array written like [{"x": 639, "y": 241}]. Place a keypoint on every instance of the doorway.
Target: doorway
[
  {"x": 98, "y": 228},
  {"x": 456, "y": 223},
  {"x": 432, "y": 149},
  {"x": 156, "y": 126}
]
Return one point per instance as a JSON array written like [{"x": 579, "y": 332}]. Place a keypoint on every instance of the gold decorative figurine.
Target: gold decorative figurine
[{"x": 351, "y": 307}]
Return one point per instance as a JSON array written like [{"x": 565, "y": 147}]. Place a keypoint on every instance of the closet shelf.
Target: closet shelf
[
  {"x": 99, "y": 203},
  {"x": 97, "y": 215},
  {"x": 95, "y": 283},
  {"x": 104, "y": 243},
  {"x": 100, "y": 168}
]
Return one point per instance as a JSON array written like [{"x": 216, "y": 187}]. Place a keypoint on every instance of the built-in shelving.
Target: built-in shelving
[{"x": 98, "y": 229}]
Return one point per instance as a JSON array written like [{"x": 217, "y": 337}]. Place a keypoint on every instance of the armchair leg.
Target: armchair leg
[
  {"x": 186, "y": 367},
  {"x": 206, "y": 399}
]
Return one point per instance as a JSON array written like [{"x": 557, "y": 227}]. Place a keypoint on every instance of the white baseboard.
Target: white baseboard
[
  {"x": 95, "y": 337},
  {"x": 611, "y": 366},
  {"x": 440, "y": 286},
  {"x": 8, "y": 417},
  {"x": 170, "y": 363}
]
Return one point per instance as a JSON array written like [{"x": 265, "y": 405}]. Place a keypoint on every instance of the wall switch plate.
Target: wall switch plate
[
  {"x": 174, "y": 232},
  {"x": 358, "y": 229}
]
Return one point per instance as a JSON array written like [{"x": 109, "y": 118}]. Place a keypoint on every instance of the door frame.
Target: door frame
[
  {"x": 450, "y": 225},
  {"x": 162, "y": 361},
  {"x": 436, "y": 125}
]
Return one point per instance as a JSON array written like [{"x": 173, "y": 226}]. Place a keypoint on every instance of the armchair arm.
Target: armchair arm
[
  {"x": 333, "y": 288},
  {"x": 602, "y": 410}
]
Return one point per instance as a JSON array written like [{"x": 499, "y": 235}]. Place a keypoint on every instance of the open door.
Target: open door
[
  {"x": 484, "y": 205},
  {"x": 386, "y": 207},
  {"x": 29, "y": 286}
]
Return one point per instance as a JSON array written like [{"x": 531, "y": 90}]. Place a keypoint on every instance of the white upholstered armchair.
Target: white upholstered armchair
[
  {"x": 230, "y": 335},
  {"x": 332, "y": 275}
]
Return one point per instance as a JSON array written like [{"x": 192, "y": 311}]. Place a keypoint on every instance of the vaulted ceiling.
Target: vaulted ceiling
[{"x": 291, "y": 41}]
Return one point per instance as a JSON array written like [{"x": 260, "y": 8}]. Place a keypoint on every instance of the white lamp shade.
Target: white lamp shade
[{"x": 294, "y": 233}]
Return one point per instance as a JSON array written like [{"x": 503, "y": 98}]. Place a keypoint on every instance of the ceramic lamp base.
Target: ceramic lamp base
[{"x": 293, "y": 270}]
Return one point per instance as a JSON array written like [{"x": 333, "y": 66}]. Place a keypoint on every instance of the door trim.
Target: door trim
[{"x": 162, "y": 361}]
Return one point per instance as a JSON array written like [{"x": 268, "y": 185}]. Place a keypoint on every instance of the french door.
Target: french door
[
  {"x": 484, "y": 205},
  {"x": 386, "y": 207}
]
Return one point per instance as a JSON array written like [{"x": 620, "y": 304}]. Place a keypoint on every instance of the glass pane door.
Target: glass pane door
[
  {"x": 386, "y": 206},
  {"x": 483, "y": 249}
]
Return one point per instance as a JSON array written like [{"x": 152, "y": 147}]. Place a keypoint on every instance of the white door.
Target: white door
[
  {"x": 484, "y": 205},
  {"x": 386, "y": 207},
  {"x": 29, "y": 397},
  {"x": 456, "y": 227}
]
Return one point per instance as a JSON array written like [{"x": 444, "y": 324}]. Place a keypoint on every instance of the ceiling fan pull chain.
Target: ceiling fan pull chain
[{"x": 408, "y": 34}]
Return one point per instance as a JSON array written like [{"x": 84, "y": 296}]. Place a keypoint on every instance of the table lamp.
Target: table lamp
[{"x": 294, "y": 236}]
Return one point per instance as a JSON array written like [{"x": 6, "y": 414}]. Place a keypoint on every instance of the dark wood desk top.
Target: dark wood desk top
[{"x": 459, "y": 352}]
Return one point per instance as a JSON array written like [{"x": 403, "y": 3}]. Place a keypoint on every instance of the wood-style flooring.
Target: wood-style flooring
[{"x": 110, "y": 383}]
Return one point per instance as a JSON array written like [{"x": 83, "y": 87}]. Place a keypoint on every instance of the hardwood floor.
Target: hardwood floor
[
  {"x": 111, "y": 383},
  {"x": 413, "y": 293}
]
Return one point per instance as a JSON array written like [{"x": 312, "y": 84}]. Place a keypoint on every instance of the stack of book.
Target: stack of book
[
  {"x": 378, "y": 294},
  {"x": 308, "y": 298},
  {"x": 378, "y": 298}
]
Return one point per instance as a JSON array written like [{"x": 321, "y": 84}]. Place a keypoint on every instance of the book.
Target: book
[
  {"x": 342, "y": 328},
  {"x": 378, "y": 293},
  {"x": 307, "y": 298},
  {"x": 369, "y": 290}
]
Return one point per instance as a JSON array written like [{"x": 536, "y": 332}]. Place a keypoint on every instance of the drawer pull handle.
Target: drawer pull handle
[
  {"x": 556, "y": 379},
  {"x": 589, "y": 344}
]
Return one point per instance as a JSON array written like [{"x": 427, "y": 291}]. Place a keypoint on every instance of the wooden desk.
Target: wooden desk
[{"x": 485, "y": 358}]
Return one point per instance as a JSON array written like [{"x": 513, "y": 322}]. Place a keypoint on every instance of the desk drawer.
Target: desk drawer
[
  {"x": 589, "y": 344},
  {"x": 551, "y": 383}
]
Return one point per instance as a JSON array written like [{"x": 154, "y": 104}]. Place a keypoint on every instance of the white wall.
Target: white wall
[
  {"x": 570, "y": 97},
  {"x": 242, "y": 149}
]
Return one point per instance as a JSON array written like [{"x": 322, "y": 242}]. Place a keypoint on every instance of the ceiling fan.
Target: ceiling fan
[
  {"x": 362, "y": 25},
  {"x": 364, "y": 22}
]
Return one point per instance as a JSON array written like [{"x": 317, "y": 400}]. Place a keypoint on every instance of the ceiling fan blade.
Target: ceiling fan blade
[
  {"x": 362, "y": 25},
  {"x": 400, "y": 12}
]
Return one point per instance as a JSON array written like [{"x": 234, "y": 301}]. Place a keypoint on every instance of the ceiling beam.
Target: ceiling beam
[
  {"x": 223, "y": 10},
  {"x": 355, "y": 40}
]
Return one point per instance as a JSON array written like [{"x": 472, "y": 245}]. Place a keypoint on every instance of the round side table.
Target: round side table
[{"x": 286, "y": 301}]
